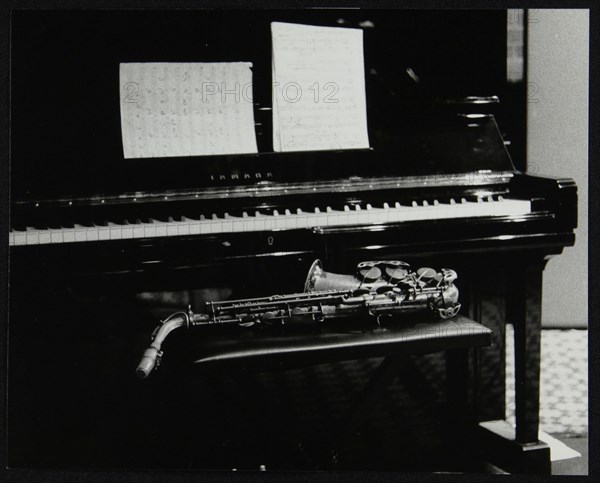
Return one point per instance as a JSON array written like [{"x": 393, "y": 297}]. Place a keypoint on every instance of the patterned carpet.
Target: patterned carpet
[{"x": 564, "y": 381}]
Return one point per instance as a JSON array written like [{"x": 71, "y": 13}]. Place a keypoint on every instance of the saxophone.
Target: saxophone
[{"x": 377, "y": 289}]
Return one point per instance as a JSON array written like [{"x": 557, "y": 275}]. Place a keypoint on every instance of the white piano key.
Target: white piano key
[
  {"x": 172, "y": 228},
  {"x": 260, "y": 224},
  {"x": 363, "y": 216},
  {"x": 56, "y": 235},
  {"x": 20, "y": 238},
  {"x": 445, "y": 209},
  {"x": 45, "y": 237},
  {"x": 269, "y": 222},
  {"x": 408, "y": 213},
  {"x": 351, "y": 216},
  {"x": 138, "y": 231},
  {"x": 203, "y": 224},
  {"x": 32, "y": 237},
  {"x": 452, "y": 208},
  {"x": 517, "y": 207},
  {"x": 208, "y": 226},
  {"x": 429, "y": 212},
  {"x": 226, "y": 223},
  {"x": 437, "y": 210},
  {"x": 381, "y": 215},
  {"x": 215, "y": 224},
  {"x": 334, "y": 217},
  {"x": 320, "y": 217},
  {"x": 279, "y": 222},
  {"x": 127, "y": 232},
  {"x": 507, "y": 207},
  {"x": 114, "y": 231},
  {"x": 249, "y": 222},
  {"x": 161, "y": 229},
  {"x": 149, "y": 230},
  {"x": 301, "y": 219},
  {"x": 68, "y": 235},
  {"x": 103, "y": 233},
  {"x": 183, "y": 228},
  {"x": 237, "y": 224},
  {"x": 80, "y": 233},
  {"x": 257, "y": 221},
  {"x": 92, "y": 233},
  {"x": 466, "y": 208},
  {"x": 344, "y": 217},
  {"x": 291, "y": 221}
]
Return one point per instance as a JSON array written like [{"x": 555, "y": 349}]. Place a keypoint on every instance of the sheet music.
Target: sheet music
[
  {"x": 186, "y": 109},
  {"x": 318, "y": 88}
]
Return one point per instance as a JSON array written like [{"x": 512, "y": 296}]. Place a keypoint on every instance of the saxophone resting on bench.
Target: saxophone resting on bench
[{"x": 378, "y": 289}]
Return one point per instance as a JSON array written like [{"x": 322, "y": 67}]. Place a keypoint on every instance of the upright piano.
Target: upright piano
[{"x": 92, "y": 234}]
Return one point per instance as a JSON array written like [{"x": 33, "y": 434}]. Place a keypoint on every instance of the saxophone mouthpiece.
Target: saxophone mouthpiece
[
  {"x": 152, "y": 355},
  {"x": 147, "y": 363}
]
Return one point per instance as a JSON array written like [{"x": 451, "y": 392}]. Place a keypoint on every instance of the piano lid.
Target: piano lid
[{"x": 66, "y": 139}]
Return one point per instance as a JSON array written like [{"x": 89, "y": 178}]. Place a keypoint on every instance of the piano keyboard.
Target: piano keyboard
[{"x": 284, "y": 220}]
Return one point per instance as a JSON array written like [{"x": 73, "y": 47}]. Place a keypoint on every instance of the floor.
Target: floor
[
  {"x": 573, "y": 466},
  {"x": 563, "y": 392}
]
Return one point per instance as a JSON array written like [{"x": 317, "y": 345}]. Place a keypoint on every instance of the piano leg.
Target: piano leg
[
  {"x": 527, "y": 334},
  {"x": 519, "y": 450}
]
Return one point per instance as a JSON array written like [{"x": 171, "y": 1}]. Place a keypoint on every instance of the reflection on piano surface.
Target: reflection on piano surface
[
  {"x": 350, "y": 215},
  {"x": 95, "y": 229}
]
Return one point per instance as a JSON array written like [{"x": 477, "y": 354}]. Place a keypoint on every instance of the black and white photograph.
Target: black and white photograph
[{"x": 295, "y": 241}]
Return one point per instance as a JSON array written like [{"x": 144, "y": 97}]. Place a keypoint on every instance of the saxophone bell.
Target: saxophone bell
[{"x": 319, "y": 280}]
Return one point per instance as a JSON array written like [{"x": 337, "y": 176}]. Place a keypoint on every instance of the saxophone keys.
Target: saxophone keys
[{"x": 369, "y": 274}]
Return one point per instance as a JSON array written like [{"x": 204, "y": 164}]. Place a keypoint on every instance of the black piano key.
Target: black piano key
[
  {"x": 85, "y": 222},
  {"x": 18, "y": 226}
]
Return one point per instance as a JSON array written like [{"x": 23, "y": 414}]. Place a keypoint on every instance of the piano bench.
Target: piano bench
[
  {"x": 331, "y": 343},
  {"x": 239, "y": 354}
]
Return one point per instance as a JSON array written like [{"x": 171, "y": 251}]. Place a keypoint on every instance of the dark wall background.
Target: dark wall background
[{"x": 66, "y": 130}]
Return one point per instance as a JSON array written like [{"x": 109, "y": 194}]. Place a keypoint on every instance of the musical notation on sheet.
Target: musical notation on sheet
[
  {"x": 186, "y": 109},
  {"x": 318, "y": 88}
]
